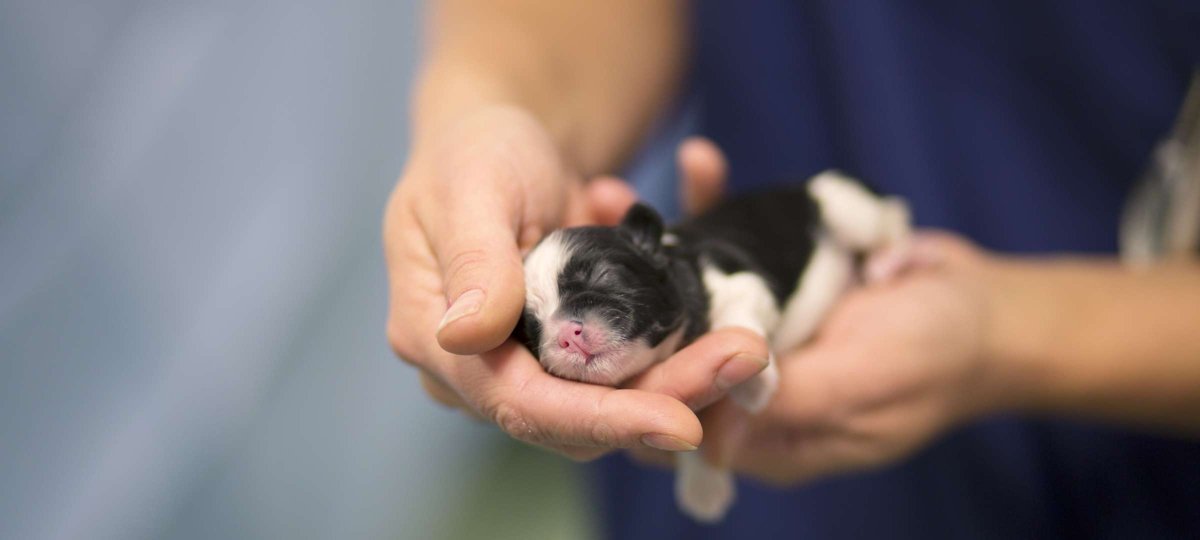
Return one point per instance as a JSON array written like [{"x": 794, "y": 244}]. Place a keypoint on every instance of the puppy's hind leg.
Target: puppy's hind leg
[
  {"x": 856, "y": 217},
  {"x": 702, "y": 491},
  {"x": 743, "y": 299}
]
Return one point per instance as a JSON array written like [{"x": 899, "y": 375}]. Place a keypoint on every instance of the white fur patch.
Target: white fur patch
[
  {"x": 542, "y": 267},
  {"x": 743, "y": 299},
  {"x": 702, "y": 491},
  {"x": 829, "y": 273},
  {"x": 855, "y": 216},
  {"x": 854, "y": 219},
  {"x": 740, "y": 299}
]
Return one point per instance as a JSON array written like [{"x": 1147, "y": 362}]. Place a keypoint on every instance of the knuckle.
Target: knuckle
[
  {"x": 467, "y": 263},
  {"x": 670, "y": 382},
  {"x": 515, "y": 424},
  {"x": 676, "y": 388},
  {"x": 439, "y": 391},
  {"x": 440, "y": 398},
  {"x": 401, "y": 341},
  {"x": 603, "y": 435}
]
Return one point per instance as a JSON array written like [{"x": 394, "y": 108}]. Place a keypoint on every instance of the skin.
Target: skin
[
  {"x": 961, "y": 333},
  {"x": 980, "y": 333},
  {"x": 520, "y": 109},
  {"x": 515, "y": 108}
]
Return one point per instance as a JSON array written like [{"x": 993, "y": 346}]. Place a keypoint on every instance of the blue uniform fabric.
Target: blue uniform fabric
[{"x": 1020, "y": 124}]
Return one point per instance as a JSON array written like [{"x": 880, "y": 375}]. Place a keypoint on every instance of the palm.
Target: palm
[
  {"x": 882, "y": 377},
  {"x": 487, "y": 187}
]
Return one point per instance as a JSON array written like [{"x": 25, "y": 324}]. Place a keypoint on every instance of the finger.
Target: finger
[
  {"x": 704, "y": 170},
  {"x": 706, "y": 370},
  {"x": 788, "y": 455},
  {"x": 783, "y": 457},
  {"x": 808, "y": 377},
  {"x": 890, "y": 263},
  {"x": 936, "y": 248},
  {"x": 531, "y": 405},
  {"x": 440, "y": 392},
  {"x": 725, "y": 427},
  {"x": 925, "y": 250},
  {"x": 474, "y": 243},
  {"x": 608, "y": 199}
]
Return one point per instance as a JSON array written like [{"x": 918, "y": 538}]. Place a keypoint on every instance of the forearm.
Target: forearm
[
  {"x": 1091, "y": 338},
  {"x": 592, "y": 72}
]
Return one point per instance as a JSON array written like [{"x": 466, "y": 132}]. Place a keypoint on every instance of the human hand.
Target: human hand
[
  {"x": 469, "y": 202},
  {"x": 894, "y": 364}
]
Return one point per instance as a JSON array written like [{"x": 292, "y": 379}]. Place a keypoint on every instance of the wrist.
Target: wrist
[
  {"x": 1038, "y": 322},
  {"x": 491, "y": 61},
  {"x": 1017, "y": 323},
  {"x": 451, "y": 91},
  {"x": 1089, "y": 338}
]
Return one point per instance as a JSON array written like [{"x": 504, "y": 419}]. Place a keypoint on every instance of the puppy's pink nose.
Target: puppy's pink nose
[{"x": 572, "y": 338}]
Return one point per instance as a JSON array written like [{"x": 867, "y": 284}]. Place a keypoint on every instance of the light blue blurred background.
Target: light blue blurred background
[{"x": 192, "y": 295}]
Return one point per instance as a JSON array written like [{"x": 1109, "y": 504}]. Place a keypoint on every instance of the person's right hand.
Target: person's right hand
[{"x": 472, "y": 198}]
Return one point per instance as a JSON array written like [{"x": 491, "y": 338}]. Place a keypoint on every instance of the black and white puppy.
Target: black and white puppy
[{"x": 605, "y": 303}]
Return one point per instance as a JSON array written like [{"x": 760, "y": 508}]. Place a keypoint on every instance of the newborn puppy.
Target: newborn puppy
[{"x": 605, "y": 303}]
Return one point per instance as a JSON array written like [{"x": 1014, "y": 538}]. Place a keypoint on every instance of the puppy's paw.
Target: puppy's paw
[
  {"x": 754, "y": 394},
  {"x": 702, "y": 491},
  {"x": 889, "y": 263}
]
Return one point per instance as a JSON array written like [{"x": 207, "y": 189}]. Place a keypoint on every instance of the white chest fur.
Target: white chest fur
[
  {"x": 853, "y": 220},
  {"x": 740, "y": 299}
]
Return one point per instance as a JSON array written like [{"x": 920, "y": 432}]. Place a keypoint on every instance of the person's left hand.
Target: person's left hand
[{"x": 894, "y": 365}]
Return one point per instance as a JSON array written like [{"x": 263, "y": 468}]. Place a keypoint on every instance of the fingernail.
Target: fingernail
[
  {"x": 739, "y": 369},
  {"x": 666, "y": 442},
  {"x": 466, "y": 304}
]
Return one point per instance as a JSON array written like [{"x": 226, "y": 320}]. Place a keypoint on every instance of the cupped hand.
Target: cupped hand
[
  {"x": 894, "y": 365},
  {"x": 471, "y": 199}
]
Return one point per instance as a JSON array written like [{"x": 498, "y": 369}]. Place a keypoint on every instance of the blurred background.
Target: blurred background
[{"x": 192, "y": 294}]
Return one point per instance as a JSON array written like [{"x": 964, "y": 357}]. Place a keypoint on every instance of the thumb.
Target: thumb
[
  {"x": 704, "y": 171},
  {"x": 475, "y": 244}
]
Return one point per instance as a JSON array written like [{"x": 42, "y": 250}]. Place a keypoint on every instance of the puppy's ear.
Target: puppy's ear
[{"x": 644, "y": 227}]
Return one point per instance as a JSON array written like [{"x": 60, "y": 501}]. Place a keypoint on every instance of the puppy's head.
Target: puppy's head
[{"x": 599, "y": 304}]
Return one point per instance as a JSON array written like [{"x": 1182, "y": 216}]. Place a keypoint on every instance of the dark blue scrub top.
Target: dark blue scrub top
[{"x": 1019, "y": 124}]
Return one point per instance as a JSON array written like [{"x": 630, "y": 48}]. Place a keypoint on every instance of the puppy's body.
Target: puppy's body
[
  {"x": 604, "y": 304},
  {"x": 769, "y": 233}
]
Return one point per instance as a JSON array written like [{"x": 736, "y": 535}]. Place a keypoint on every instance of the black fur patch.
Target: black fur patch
[
  {"x": 620, "y": 276},
  {"x": 772, "y": 233}
]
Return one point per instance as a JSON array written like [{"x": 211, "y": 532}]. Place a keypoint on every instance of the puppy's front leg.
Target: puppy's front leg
[{"x": 741, "y": 299}]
